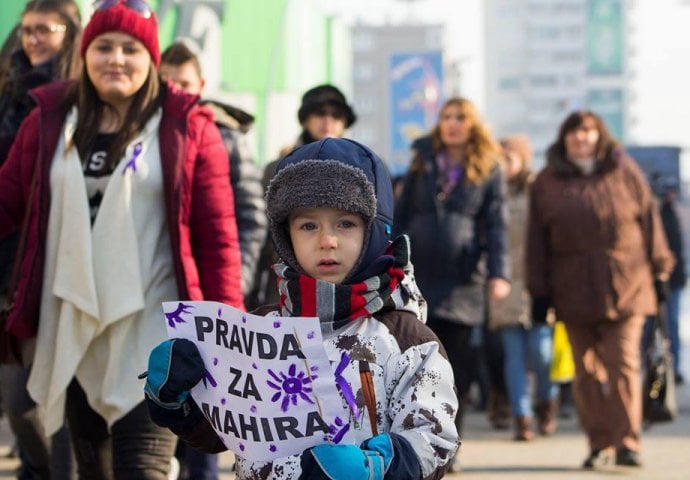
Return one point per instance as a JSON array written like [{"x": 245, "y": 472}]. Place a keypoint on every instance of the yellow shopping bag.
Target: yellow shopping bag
[{"x": 562, "y": 364}]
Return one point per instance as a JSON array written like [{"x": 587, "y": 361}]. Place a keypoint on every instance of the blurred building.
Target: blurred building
[
  {"x": 545, "y": 58},
  {"x": 397, "y": 86}
]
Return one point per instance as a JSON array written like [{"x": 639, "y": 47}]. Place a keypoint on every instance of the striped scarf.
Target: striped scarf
[{"x": 337, "y": 304}]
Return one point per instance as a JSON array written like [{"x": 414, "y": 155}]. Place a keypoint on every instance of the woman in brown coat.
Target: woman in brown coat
[{"x": 595, "y": 252}]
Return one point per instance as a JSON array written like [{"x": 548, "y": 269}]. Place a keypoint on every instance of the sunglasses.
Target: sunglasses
[
  {"x": 41, "y": 30},
  {"x": 138, "y": 6}
]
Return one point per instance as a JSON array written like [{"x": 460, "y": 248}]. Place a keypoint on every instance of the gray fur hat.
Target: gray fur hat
[{"x": 336, "y": 173}]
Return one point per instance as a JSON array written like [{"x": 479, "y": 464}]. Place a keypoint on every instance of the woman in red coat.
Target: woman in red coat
[
  {"x": 130, "y": 206},
  {"x": 595, "y": 250}
]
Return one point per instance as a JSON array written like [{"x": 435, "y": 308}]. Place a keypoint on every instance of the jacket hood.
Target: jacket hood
[
  {"x": 229, "y": 115},
  {"x": 339, "y": 173},
  {"x": 605, "y": 162}
]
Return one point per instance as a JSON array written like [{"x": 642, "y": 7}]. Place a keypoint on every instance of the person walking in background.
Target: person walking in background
[
  {"x": 667, "y": 190},
  {"x": 324, "y": 113},
  {"x": 526, "y": 345},
  {"x": 595, "y": 249},
  {"x": 129, "y": 203},
  {"x": 453, "y": 208},
  {"x": 47, "y": 41},
  {"x": 180, "y": 65}
]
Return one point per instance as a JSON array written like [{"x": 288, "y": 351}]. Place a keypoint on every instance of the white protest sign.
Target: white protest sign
[{"x": 269, "y": 389}]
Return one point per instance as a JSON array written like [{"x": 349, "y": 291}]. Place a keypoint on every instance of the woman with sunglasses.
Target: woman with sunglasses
[
  {"x": 47, "y": 40},
  {"x": 131, "y": 206},
  {"x": 45, "y": 48}
]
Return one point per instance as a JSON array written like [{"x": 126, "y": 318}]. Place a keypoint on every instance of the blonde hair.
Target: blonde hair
[{"x": 482, "y": 152}]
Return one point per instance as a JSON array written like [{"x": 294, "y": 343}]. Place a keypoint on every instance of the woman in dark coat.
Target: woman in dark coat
[
  {"x": 452, "y": 206},
  {"x": 595, "y": 250}
]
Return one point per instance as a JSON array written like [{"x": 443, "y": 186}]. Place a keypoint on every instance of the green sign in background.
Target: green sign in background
[{"x": 605, "y": 38}]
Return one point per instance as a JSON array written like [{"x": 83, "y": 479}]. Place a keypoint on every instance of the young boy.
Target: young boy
[{"x": 330, "y": 207}]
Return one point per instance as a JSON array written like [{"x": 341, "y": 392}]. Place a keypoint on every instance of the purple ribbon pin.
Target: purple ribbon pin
[{"x": 133, "y": 161}]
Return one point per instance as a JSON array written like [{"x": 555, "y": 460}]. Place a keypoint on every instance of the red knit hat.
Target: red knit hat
[{"x": 123, "y": 19}]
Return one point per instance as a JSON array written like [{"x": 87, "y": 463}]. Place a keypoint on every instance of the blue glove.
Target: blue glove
[
  {"x": 175, "y": 366},
  {"x": 348, "y": 462}
]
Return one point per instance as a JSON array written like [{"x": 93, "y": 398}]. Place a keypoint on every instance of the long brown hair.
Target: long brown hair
[
  {"x": 68, "y": 63},
  {"x": 91, "y": 109},
  {"x": 69, "y": 59},
  {"x": 482, "y": 152}
]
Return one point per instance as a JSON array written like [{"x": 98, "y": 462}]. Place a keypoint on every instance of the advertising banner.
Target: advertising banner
[{"x": 416, "y": 89}]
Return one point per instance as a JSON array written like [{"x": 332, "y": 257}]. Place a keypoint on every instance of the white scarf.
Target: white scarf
[
  {"x": 586, "y": 165},
  {"x": 95, "y": 323}
]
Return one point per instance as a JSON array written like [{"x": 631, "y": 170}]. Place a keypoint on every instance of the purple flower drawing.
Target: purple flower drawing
[
  {"x": 176, "y": 315},
  {"x": 290, "y": 387}
]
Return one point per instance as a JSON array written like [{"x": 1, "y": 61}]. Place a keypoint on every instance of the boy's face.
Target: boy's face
[
  {"x": 327, "y": 242},
  {"x": 184, "y": 76}
]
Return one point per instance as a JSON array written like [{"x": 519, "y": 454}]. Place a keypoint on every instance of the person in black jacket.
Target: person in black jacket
[
  {"x": 666, "y": 188},
  {"x": 453, "y": 208}
]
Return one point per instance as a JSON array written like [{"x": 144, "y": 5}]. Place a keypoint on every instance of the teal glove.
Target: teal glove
[
  {"x": 175, "y": 366},
  {"x": 348, "y": 462}
]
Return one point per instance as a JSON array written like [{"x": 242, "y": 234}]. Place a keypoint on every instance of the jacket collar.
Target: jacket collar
[{"x": 565, "y": 168}]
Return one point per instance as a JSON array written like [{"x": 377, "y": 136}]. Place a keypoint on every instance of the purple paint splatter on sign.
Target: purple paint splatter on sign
[
  {"x": 276, "y": 324},
  {"x": 176, "y": 315},
  {"x": 255, "y": 366},
  {"x": 244, "y": 319},
  {"x": 220, "y": 311},
  {"x": 209, "y": 378},
  {"x": 242, "y": 446},
  {"x": 344, "y": 386},
  {"x": 311, "y": 335},
  {"x": 273, "y": 448},
  {"x": 223, "y": 401},
  {"x": 215, "y": 361},
  {"x": 338, "y": 429},
  {"x": 252, "y": 408}
]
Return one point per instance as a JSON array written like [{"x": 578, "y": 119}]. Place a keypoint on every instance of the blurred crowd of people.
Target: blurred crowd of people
[{"x": 500, "y": 251}]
